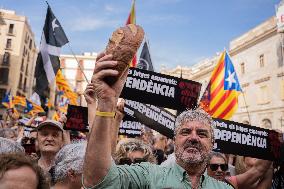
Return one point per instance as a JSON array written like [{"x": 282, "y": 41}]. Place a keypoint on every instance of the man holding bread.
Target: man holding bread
[{"x": 193, "y": 133}]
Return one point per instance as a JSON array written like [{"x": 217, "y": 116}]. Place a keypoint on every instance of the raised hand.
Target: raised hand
[
  {"x": 104, "y": 92},
  {"x": 89, "y": 93}
]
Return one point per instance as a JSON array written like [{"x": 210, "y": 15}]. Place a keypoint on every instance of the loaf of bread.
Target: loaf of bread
[{"x": 123, "y": 45}]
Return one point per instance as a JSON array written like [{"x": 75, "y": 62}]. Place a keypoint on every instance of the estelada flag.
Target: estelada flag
[
  {"x": 132, "y": 20},
  {"x": 220, "y": 98},
  {"x": 8, "y": 100}
]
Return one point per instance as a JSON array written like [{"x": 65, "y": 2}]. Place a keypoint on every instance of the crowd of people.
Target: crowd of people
[{"x": 38, "y": 153}]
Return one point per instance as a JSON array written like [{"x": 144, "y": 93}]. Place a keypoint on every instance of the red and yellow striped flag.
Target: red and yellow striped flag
[
  {"x": 63, "y": 85},
  {"x": 132, "y": 20},
  {"x": 220, "y": 98}
]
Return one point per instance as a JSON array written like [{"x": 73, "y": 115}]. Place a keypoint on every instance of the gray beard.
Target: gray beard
[{"x": 193, "y": 159}]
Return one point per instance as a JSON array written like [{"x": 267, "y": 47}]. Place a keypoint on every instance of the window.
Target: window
[
  {"x": 27, "y": 69},
  {"x": 30, "y": 44},
  {"x": 261, "y": 60},
  {"x": 22, "y": 65},
  {"x": 282, "y": 89},
  {"x": 11, "y": 29},
  {"x": 243, "y": 68},
  {"x": 24, "y": 51},
  {"x": 263, "y": 95},
  {"x": 6, "y": 58},
  {"x": 9, "y": 44},
  {"x": 4, "y": 72},
  {"x": 266, "y": 123},
  {"x": 20, "y": 81},
  {"x": 25, "y": 85},
  {"x": 27, "y": 38}
]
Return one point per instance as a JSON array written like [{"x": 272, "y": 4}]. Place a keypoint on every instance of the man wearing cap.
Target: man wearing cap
[{"x": 50, "y": 141}]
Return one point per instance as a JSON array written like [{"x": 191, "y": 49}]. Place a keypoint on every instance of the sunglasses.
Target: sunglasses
[
  {"x": 214, "y": 167},
  {"x": 129, "y": 161}
]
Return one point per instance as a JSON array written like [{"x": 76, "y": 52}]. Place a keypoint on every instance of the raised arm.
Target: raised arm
[
  {"x": 98, "y": 153},
  {"x": 116, "y": 123},
  {"x": 91, "y": 102},
  {"x": 256, "y": 172}
]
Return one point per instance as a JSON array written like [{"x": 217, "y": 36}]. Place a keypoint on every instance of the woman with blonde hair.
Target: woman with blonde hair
[{"x": 132, "y": 150}]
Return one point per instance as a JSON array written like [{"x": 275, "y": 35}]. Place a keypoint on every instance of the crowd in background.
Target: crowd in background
[
  {"x": 37, "y": 152},
  {"x": 56, "y": 156}
]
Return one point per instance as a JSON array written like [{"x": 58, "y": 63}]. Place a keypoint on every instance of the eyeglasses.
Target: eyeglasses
[
  {"x": 214, "y": 167},
  {"x": 129, "y": 161}
]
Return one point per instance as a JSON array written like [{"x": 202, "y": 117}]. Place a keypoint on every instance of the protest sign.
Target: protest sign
[
  {"x": 160, "y": 90},
  {"x": 153, "y": 117},
  {"x": 130, "y": 128},
  {"x": 246, "y": 140},
  {"x": 77, "y": 118},
  {"x": 230, "y": 137}
]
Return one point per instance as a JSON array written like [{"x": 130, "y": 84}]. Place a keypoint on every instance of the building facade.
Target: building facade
[
  {"x": 74, "y": 75},
  {"x": 17, "y": 54},
  {"x": 258, "y": 59}
]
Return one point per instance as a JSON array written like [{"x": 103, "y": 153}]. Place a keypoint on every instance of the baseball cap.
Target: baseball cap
[{"x": 50, "y": 122}]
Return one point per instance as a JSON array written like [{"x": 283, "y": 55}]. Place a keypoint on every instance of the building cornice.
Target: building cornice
[{"x": 255, "y": 38}]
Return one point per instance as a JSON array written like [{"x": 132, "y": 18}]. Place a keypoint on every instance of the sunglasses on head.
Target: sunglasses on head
[
  {"x": 129, "y": 161},
  {"x": 214, "y": 167}
]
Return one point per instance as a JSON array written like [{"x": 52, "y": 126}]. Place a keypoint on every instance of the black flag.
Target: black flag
[
  {"x": 145, "y": 61},
  {"x": 47, "y": 64}
]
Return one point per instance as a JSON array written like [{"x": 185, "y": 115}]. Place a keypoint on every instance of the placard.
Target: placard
[
  {"x": 160, "y": 90},
  {"x": 246, "y": 140},
  {"x": 230, "y": 137},
  {"x": 153, "y": 117},
  {"x": 77, "y": 118}
]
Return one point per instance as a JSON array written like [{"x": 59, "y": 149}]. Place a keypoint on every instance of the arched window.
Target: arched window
[
  {"x": 6, "y": 58},
  {"x": 266, "y": 123}
]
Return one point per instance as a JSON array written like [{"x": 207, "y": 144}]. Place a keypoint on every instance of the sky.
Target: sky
[{"x": 180, "y": 32}]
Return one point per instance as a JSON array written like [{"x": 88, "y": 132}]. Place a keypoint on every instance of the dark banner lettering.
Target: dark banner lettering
[
  {"x": 130, "y": 128},
  {"x": 160, "y": 90},
  {"x": 153, "y": 117}
]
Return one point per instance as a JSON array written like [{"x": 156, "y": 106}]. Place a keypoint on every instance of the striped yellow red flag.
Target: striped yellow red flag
[
  {"x": 55, "y": 116},
  {"x": 63, "y": 85},
  {"x": 19, "y": 100},
  {"x": 220, "y": 99},
  {"x": 132, "y": 20}
]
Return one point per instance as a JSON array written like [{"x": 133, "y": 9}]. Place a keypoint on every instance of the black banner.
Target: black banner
[
  {"x": 246, "y": 140},
  {"x": 230, "y": 137},
  {"x": 160, "y": 90},
  {"x": 153, "y": 117}
]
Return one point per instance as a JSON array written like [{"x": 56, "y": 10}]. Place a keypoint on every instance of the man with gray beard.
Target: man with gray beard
[{"x": 193, "y": 142}]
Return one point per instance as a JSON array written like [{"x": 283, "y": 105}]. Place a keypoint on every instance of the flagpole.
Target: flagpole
[
  {"x": 246, "y": 107},
  {"x": 242, "y": 95},
  {"x": 78, "y": 63}
]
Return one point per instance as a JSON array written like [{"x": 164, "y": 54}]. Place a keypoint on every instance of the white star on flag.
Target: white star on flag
[
  {"x": 54, "y": 25},
  {"x": 231, "y": 78}
]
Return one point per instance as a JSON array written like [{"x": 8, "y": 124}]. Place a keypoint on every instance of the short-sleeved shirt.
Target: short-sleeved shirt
[{"x": 151, "y": 176}]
